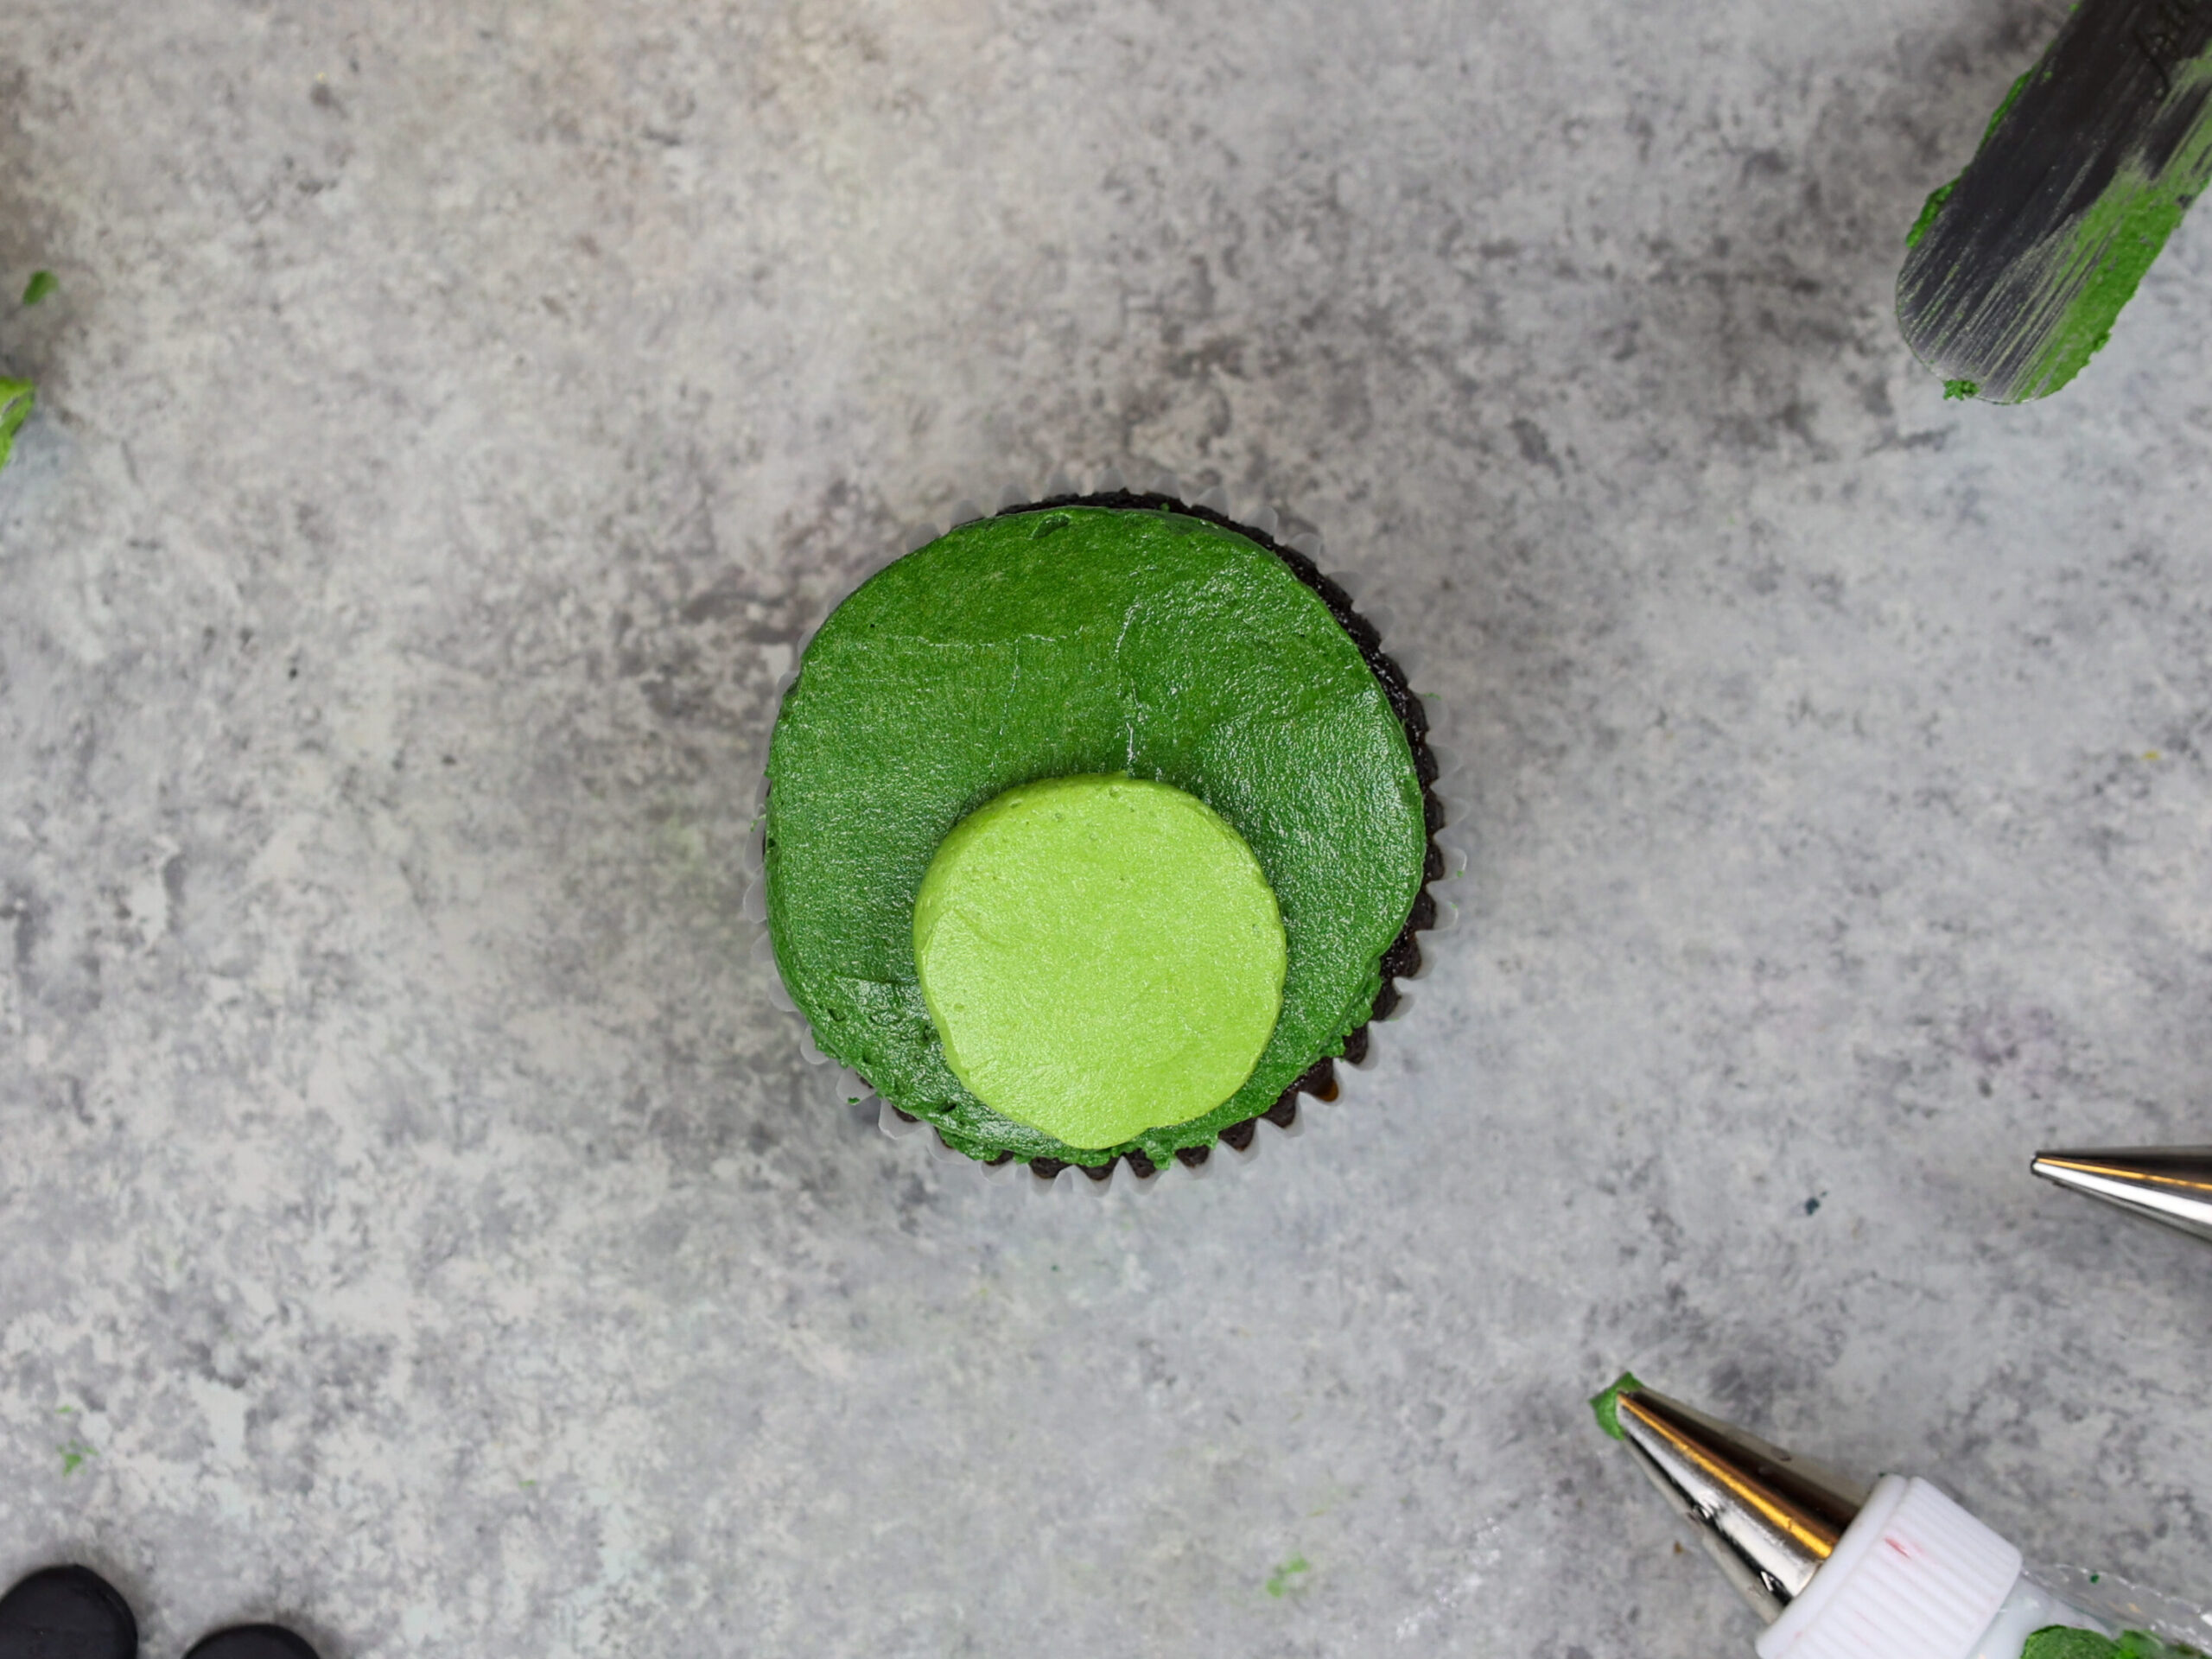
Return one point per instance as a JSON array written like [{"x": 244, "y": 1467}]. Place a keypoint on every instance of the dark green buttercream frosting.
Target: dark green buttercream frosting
[{"x": 1074, "y": 639}]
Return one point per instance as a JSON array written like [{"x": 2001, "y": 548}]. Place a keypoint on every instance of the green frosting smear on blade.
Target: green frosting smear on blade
[
  {"x": 2111, "y": 248},
  {"x": 1057, "y": 643},
  {"x": 2063, "y": 1641},
  {"x": 1608, "y": 1404},
  {"x": 1102, "y": 956},
  {"x": 2017, "y": 271}
]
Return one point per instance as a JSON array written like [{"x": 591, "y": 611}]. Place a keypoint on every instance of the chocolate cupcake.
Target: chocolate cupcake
[{"x": 1098, "y": 830}]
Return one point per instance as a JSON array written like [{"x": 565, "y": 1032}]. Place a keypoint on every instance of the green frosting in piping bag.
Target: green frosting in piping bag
[{"x": 2063, "y": 1641}]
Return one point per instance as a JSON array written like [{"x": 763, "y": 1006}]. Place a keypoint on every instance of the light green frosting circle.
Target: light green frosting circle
[{"x": 1101, "y": 956}]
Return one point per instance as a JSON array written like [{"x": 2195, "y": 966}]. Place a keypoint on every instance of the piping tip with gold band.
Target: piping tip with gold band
[
  {"x": 1768, "y": 1520},
  {"x": 2172, "y": 1184},
  {"x": 1897, "y": 1570},
  {"x": 1887, "y": 1571}
]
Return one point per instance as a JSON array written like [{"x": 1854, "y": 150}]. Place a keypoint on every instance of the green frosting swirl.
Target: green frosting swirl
[{"x": 1069, "y": 641}]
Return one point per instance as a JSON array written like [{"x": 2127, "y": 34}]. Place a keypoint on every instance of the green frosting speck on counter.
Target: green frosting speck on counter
[{"x": 16, "y": 397}]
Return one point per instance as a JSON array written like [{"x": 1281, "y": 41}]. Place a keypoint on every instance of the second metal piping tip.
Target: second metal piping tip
[
  {"x": 1768, "y": 1520},
  {"x": 2172, "y": 1184}
]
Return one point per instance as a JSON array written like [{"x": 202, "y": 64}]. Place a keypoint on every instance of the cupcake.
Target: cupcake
[{"x": 1098, "y": 830}]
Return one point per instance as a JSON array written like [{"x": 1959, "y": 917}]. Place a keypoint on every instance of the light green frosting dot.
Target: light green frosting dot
[{"x": 1101, "y": 956}]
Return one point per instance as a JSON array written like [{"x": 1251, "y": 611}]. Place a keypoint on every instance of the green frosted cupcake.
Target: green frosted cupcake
[{"x": 1098, "y": 830}]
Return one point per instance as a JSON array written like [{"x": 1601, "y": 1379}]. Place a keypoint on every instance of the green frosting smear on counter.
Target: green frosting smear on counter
[
  {"x": 16, "y": 397},
  {"x": 1101, "y": 956},
  {"x": 1067, "y": 642}
]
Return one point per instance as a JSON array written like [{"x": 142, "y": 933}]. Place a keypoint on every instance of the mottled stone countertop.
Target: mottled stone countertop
[{"x": 416, "y": 1220}]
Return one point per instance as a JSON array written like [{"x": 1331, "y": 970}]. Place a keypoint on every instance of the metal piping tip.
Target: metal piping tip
[
  {"x": 1768, "y": 1519},
  {"x": 2169, "y": 1183}
]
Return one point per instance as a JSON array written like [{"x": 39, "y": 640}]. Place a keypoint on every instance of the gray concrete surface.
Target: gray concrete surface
[{"x": 416, "y": 1221}]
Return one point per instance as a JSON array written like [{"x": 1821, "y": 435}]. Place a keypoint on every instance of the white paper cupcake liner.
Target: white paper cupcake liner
[{"x": 1354, "y": 1079}]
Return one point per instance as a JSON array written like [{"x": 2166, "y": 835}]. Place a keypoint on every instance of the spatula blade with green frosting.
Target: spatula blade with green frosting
[{"x": 2017, "y": 269}]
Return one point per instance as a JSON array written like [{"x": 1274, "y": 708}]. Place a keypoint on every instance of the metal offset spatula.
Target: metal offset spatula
[{"x": 2019, "y": 267}]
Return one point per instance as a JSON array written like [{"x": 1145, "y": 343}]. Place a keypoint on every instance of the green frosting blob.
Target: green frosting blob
[
  {"x": 1606, "y": 1402},
  {"x": 1059, "y": 643},
  {"x": 1101, "y": 956}
]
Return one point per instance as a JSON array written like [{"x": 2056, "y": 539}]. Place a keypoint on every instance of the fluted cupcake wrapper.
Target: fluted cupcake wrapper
[{"x": 1329, "y": 1080}]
